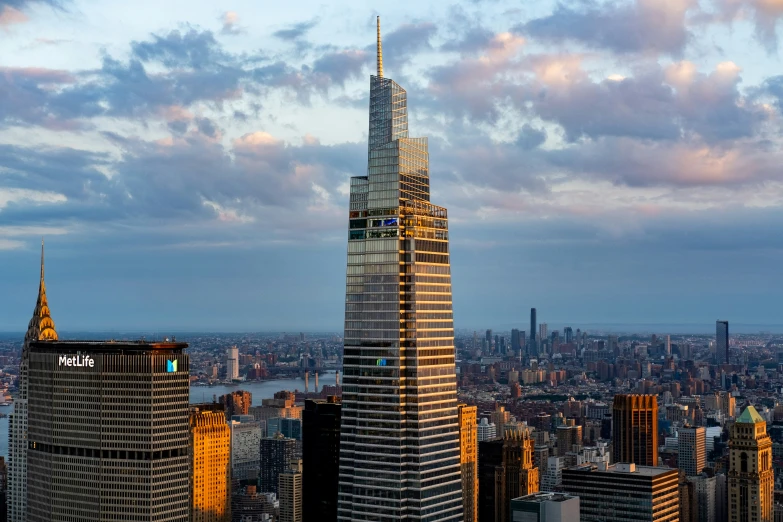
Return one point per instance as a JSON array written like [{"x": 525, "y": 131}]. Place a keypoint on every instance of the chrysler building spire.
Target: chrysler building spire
[{"x": 41, "y": 326}]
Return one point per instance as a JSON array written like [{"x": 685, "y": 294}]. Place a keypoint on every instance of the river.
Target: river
[{"x": 259, "y": 389}]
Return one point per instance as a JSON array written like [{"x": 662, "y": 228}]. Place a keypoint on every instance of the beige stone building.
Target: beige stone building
[{"x": 751, "y": 478}]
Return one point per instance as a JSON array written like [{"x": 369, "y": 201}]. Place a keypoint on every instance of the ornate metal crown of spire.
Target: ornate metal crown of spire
[{"x": 41, "y": 326}]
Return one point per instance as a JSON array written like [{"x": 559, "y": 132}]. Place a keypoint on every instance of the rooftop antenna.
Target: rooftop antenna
[
  {"x": 42, "y": 259},
  {"x": 380, "y": 50}
]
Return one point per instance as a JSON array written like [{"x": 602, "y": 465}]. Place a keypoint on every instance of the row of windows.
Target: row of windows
[
  {"x": 371, "y": 307},
  {"x": 376, "y": 316},
  {"x": 423, "y": 245},
  {"x": 373, "y": 269},
  {"x": 383, "y": 186},
  {"x": 388, "y": 195},
  {"x": 394, "y": 279},
  {"x": 388, "y": 176},
  {"x": 432, "y": 258}
]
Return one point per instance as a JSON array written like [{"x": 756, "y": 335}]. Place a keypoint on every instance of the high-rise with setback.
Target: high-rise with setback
[
  {"x": 210, "y": 464},
  {"x": 40, "y": 328},
  {"x": 399, "y": 447}
]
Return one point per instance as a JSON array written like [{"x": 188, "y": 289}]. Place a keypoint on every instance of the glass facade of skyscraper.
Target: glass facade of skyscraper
[{"x": 399, "y": 448}]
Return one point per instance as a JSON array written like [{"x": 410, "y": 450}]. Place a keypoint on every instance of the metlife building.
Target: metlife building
[{"x": 108, "y": 431}]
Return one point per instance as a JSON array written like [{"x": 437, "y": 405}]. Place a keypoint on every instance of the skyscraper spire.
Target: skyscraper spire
[
  {"x": 380, "y": 50},
  {"x": 41, "y": 326}
]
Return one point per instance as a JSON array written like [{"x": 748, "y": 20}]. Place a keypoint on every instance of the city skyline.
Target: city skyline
[{"x": 626, "y": 177}]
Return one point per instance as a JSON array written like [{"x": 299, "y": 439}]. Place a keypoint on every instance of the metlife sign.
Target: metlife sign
[{"x": 77, "y": 360}]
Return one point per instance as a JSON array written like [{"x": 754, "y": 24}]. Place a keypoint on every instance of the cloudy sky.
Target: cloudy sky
[{"x": 188, "y": 161}]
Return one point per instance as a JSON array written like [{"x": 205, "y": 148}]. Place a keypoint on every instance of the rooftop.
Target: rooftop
[
  {"x": 545, "y": 497},
  {"x": 110, "y": 346},
  {"x": 630, "y": 469},
  {"x": 750, "y": 416}
]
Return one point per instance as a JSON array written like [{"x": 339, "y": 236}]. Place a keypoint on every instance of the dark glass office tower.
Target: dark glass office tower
[
  {"x": 399, "y": 447},
  {"x": 320, "y": 457},
  {"x": 276, "y": 455},
  {"x": 722, "y": 342},
  {"x": 533, "y": 328},
  {"x": 108, "y": 431}
]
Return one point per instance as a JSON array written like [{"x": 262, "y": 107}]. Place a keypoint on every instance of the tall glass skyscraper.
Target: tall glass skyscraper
[
  {"x": 399, "y": 447},
  {"x": 722, "y": 342}
]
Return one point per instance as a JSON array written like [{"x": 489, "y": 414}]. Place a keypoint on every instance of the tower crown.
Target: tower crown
[
  {"x": 750, "y": 416},
  {"x": 41, "y": 325}
]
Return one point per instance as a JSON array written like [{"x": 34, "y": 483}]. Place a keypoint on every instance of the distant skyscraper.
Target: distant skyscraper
[
  {"x": 751, "y": 477},
  {"x": 505, "y": 472},
  {"x": 40, "y": 328},
  {"x": 612, "y": 345},
  {"x": 245, "y": 450},
  {"x": 290, "y": 493},
  {"x": 320, "y": 455},
  {"x": 468, "y": 434},
  {"x": 108, "y": 431},
  {"x": 399, "y": 447},
  {"x": 515, "y": 345},
  {"x": 288, "y": 428},
  {"x": 489, "y": 340},
  {"x": 276, "y": 455},
  {"x": 635, "y": 429},
  {"x": 728, "y": 404},
  {"x": 692, "y": 454},
  {"x": 668, "y": 346},
  {"x": 542, "y": 332},
  {"x": 624, "y": 493},
  {"x": 533, "y": 326},
  {"x": 568, "y": 333},
  {"x": 704, "y": 490},
  {"x": 486, "y": 430},
  {"x": 232, "y": 363},
  {"x": 210, "y": 464},
  {"x": 567, "y": 437},
  {"x": 722, "y": 342},
  {"x": 237, "y": 403}
]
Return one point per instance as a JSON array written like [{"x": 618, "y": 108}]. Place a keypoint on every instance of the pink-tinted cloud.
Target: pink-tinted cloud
[{"x": 9, "y": 16}]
